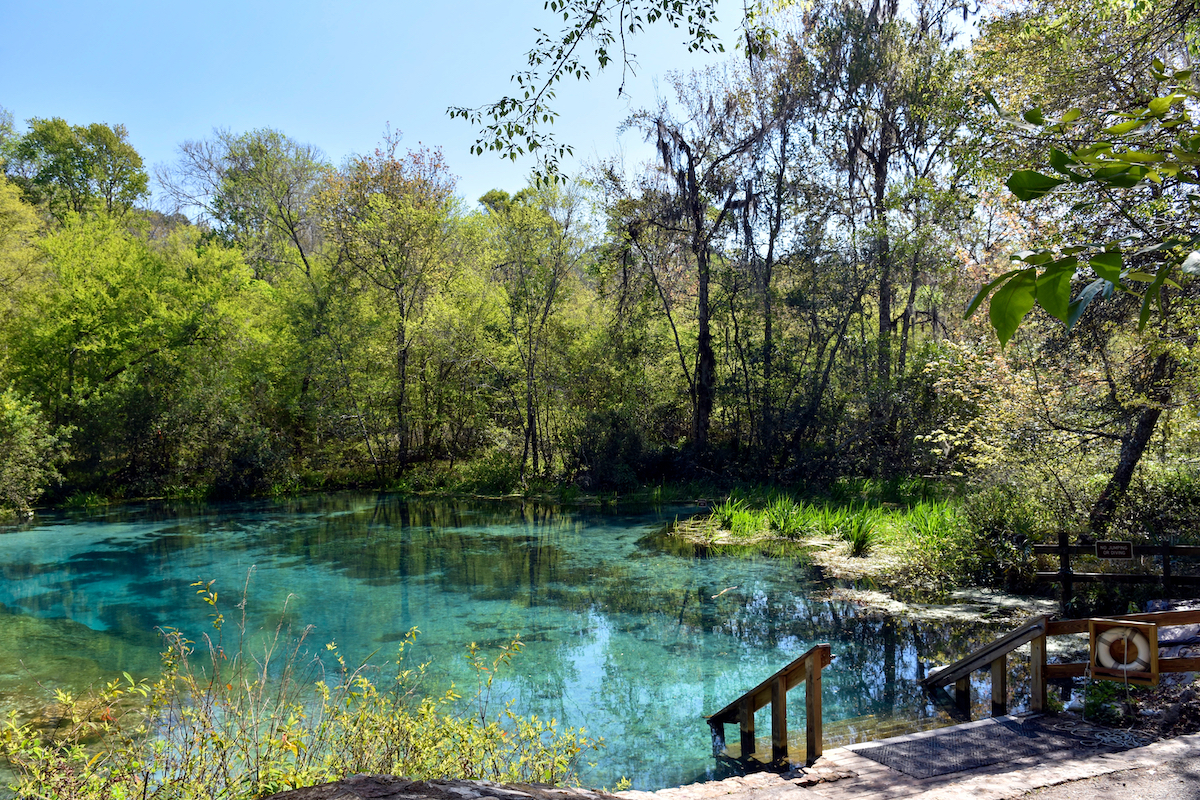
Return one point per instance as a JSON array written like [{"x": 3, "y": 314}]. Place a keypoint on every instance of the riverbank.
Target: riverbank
[{"x": 1162, "y": 769}]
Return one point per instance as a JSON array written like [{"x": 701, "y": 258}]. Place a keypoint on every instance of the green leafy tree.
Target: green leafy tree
[
  {"x": 1136, "y": 182},
  {"x": 20, "y": 259},
  {"x": 102, "y": 343},
  {"x": 30, "y": 452},
  {"x": 539, "y": 246},
  {"x": 391, "y": 218},
  {"x": 255, "y": 191},
  {"x": 8, "y": 138},
  {"x": 76, "y": 169}
]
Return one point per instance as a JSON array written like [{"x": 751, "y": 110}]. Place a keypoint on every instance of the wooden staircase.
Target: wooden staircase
[{"x": 773, "y": 691}]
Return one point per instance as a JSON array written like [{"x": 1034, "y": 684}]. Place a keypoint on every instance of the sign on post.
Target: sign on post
[{"x": 1116, "y": 551}]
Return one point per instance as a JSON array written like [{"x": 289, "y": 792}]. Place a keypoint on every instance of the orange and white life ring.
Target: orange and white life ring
[{"x": 1105, "y": 641}]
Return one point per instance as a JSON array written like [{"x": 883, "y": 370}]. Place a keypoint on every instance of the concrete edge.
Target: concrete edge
[{"x": 1005, "y": 785}]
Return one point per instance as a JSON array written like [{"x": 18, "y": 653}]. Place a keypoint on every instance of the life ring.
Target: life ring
[{"x": 1104, "y": 643}]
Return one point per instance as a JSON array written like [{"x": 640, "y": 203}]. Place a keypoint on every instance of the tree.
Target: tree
[
  {"x": 20, "y": 260},
  {"x": 30, "y": 453},
  {"x": 694, "y": 195},
  {"x": 538, "y": 250},
  {"x": 391, "y": 219},
  {"x": 1141, "y": 171},
  {"x": 81, "y": 170},
  {"x": 102, "y": 343},
  {"x": 255, "y": 190},
  {"x": 8, "y": 138},
  {"x": 515, "y": 126}
]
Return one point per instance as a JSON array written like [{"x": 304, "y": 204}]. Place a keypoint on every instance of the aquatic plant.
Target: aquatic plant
[
  {"x": 723, "y": 513},
  {"x": 220, "y": 722},
  {"x": 745, "y": 523},
  {"x": 939, "y": 544},
  {"x": 860, "y": 530},
  {"x": 831, "y": 520},
  {"x": 787, "y": 517}
]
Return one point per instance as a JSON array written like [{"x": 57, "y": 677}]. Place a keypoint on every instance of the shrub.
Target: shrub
[
  {"x": 497, "y": 472},
  {"x": 217, "y": 723},
  {"x": 30, "y": 453}
]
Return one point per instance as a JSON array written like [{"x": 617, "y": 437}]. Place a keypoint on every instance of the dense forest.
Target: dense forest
[{"x": 778, "y": 298}]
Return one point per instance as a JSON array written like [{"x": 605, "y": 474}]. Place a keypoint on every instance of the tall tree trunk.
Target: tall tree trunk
[
  {"x": 401, "y": 389},
  {"x": 706, "y": 359},
  {"x": 1134, "y": 443},
  {"x": 883, "y": 254}
]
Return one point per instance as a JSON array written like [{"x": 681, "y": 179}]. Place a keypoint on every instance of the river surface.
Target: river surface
[{"x": 627, "y": 633}]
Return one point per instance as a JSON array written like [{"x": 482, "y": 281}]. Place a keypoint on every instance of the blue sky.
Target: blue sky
[{"x": 330, "y": 74}]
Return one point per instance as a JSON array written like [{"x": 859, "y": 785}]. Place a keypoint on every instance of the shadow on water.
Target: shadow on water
[{"x": 627, "y": 633}]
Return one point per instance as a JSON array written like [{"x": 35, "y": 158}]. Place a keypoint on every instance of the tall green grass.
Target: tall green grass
[
  {"x": 939, "y": 541},
  {"x": 860, "y": 530}
]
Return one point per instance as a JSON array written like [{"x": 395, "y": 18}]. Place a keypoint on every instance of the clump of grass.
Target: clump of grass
[
  {"x": 831, "y": 521},
  {"x": 723, "y": 513},
  {"x": 860, "y": 530},
  {"x": 85, "y": 500},
  {"x": 786, "y": 517},
  {"x": 746, "y": 523},
  {"x": 940, "y": 545}
]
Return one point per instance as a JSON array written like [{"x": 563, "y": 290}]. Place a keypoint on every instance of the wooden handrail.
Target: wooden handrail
[
  {"x": 986, "y": 655},
  {"x": 1035, "y": 631},
  {"x": 1060, "y": 627},
  {"x": 1186, "y": 550},
  {"x": 774, "y": 691}
]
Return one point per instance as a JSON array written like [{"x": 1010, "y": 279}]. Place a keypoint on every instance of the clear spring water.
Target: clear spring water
[{"x": 627, "y": 633}]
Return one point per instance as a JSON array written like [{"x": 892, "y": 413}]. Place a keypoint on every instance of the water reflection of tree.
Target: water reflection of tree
[{"x": 617, "y": 629}]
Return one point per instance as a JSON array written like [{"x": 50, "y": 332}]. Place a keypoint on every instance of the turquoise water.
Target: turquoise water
[{"x": 626, "y": 633}]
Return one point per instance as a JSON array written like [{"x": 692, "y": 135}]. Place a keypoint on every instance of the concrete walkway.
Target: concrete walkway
[{"x": 846, "y": 775}]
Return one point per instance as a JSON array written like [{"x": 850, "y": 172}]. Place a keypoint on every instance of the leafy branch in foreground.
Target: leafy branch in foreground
[
  {"x": 1143, "y": 170},
  {"x": 514, "y": 126}
]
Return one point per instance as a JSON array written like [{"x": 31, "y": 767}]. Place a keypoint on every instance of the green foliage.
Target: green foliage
[
  {"x": 129, "y": 341},
  {"x": 1152, "y": 153},
  {"x": 787, "y": 517},
  {"x": 745, "y": 523},
  {"x": 725, "y": 512},
  {"x": 20, "y": 259},
  {"x": 497, "y": 472},
  {"x": 30, "y": 452},
  {"x": 71, "y": 169},
  {"x": 1163, "y": 505},
  {"x": 609, "y": 450},
  {"x": 860, "y": 530},
  {"x": 1105, "y": 702},
  {"x": 983, "y": 541},
  {"x": 832, "y": 521},
  {"x": 218, "y": 723}
]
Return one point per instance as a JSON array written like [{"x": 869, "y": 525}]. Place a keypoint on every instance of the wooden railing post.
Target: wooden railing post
[
  {"x": 1000, "y": 686},
  {"x": 779, "y": 736},
  {"x": 1037, "y": 675},
  {"x": 962, "y": 695},
  {"x": 717, "y": 729},
  {"x": 746, "y": 724},
  {"x": 1064, "y": 568},
  {"x": 813, "y": 733},
  {"x": 1166, "y": 559}
]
